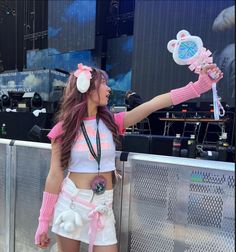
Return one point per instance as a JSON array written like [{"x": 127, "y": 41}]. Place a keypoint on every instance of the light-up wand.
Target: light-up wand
[{"x": 189, "y": 50}]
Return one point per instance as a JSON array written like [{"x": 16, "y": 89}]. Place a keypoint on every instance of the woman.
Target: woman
[{"x": 83, "y": 142}]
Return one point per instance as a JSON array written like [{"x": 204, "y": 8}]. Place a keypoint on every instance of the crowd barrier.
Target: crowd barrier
[{"x": 162, "y": 204}]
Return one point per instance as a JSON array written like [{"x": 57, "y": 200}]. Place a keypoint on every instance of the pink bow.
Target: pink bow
[
  {"x": 82, "y": 68},
  {"x": 95, "y": 224},
  {"x": 202, "y": 59}
]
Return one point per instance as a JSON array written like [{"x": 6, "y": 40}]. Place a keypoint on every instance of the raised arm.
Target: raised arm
[
  {"x": 142, "y": 111},
  {"x": 175, "y": 96}
]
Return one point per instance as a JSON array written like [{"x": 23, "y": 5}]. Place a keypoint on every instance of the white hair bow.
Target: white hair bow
[{"x": 83, "y": 74}]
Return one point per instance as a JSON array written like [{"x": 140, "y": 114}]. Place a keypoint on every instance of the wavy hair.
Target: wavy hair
[{"x": 72, "y": 110}]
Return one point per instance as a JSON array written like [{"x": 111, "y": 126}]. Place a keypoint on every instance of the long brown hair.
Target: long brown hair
[{"x": 73, "y": 108}]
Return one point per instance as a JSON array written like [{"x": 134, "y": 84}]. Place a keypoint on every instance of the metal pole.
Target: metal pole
[{"x": 10, "y": 198}]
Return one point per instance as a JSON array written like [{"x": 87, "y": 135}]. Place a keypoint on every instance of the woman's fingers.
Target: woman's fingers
[
  {"x": 44, "y": 245},
  {"x": 44, "y": 241},
  {"x": 215, "y": 74},
  {"x": 208, "y": 67},
  {"x": 212, "y": 71}
]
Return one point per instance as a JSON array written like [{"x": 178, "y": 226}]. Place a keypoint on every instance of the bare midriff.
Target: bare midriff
[{"x": 83, "y": 180}]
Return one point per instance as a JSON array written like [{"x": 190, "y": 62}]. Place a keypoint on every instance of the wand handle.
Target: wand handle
[{"x": 215, "y": 102}]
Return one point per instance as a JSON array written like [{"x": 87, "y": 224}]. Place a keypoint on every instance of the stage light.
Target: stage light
[
  {"x": 5, "y": 101},
  {"x": 33, "y": 100},
  {"x": 15, "y": 98},
  {"x": 36, "y": 101}
]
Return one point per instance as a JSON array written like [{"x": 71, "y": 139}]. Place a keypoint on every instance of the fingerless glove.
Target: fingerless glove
[
  {"x": 46, "y": 212},
  {"x": 192, "y": 90}
]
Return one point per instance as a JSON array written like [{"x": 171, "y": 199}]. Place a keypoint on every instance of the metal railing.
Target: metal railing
[{"x": 162, "y": 204}]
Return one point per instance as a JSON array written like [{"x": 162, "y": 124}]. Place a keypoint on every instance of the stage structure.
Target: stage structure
[
  {"x": 40, "y": 81},
  {"x": 157, "y": 22}
]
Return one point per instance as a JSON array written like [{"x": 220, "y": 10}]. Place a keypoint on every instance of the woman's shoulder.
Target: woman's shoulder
[{"x": 55, "y": 131}]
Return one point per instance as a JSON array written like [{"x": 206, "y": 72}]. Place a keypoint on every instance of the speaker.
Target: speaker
[
  {"x": 162, "y": 145},
  {"x": 136, "y": 143},
  {"x": 38, "y": 134}
]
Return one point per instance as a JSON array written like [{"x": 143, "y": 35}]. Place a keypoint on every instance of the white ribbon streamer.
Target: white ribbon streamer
[{"x": 218, "y": 108}]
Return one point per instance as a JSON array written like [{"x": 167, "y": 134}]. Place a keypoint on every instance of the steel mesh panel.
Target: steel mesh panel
[
  {"x": 2, "y": 196},
  {"x": 206, "y": 188},
  {"x": 172, "y": 193},
  {"x": 210, "y": 212},
  {"x": 146, "y": 188},
  {"x": 149, "y": 232},
  {"x": 32, "y": 168},
  {"x": 186, "y": 210},
  {"x": 208, "y": 240},
  {"x": 205, "y": 210},
  {"x": 208, "y": 177},
  {"x": 152, "y": 208},
  {"x": 231, "y": 181}
]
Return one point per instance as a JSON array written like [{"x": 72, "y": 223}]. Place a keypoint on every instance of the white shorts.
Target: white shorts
[{"x": 81, "y": 215}]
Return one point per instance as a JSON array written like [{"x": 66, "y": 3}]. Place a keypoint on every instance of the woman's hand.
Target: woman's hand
[
  {"x": 46, "y": 212},
  {"x": 212, "y": 71},
  {"x": 209, "y": 74},
  {"x": 44, "y": 241}
]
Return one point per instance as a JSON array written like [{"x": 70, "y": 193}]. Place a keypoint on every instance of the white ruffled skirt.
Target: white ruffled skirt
[{"x": 81, "y": 215}]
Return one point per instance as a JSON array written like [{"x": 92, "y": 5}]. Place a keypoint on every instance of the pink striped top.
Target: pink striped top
[{"x": 81, "y": 159}]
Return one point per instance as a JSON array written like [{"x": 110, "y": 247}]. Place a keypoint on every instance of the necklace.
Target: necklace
[{"x": 98, "y": 184}]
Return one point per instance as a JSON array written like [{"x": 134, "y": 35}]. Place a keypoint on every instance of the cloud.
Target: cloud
[
  {"x": 128, "y": 45},
  {"x": 11, "y": 84},
  {"x": 52, "y": 31},
  {"x": 58, "y": 83},
  {"x": 31, "y": 81},
  {"x": 52, "y": 50},
  {"x": 123, "y": 82},
  {"x": 82, "y": 11}
]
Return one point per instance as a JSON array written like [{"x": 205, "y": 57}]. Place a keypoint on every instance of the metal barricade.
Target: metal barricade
[
  {"x": 179, "y": 205},
  {"x": 162, "y": 204},
  {"x": 4, "y": 203}
]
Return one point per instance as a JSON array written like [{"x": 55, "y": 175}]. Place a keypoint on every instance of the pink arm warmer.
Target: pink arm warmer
[
  {"x": 192, "y": 90},
  {"x": 46, "y": 212}
]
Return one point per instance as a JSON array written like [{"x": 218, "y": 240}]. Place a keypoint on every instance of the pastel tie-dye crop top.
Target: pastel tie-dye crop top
[{"x": 81, "y": 160}]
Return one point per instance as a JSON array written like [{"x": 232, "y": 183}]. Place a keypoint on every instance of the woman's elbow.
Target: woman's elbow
[{"x": 53, "y": 182}]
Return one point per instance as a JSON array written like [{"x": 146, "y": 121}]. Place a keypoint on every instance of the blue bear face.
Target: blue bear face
[{"x": 185, "y": 48}]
